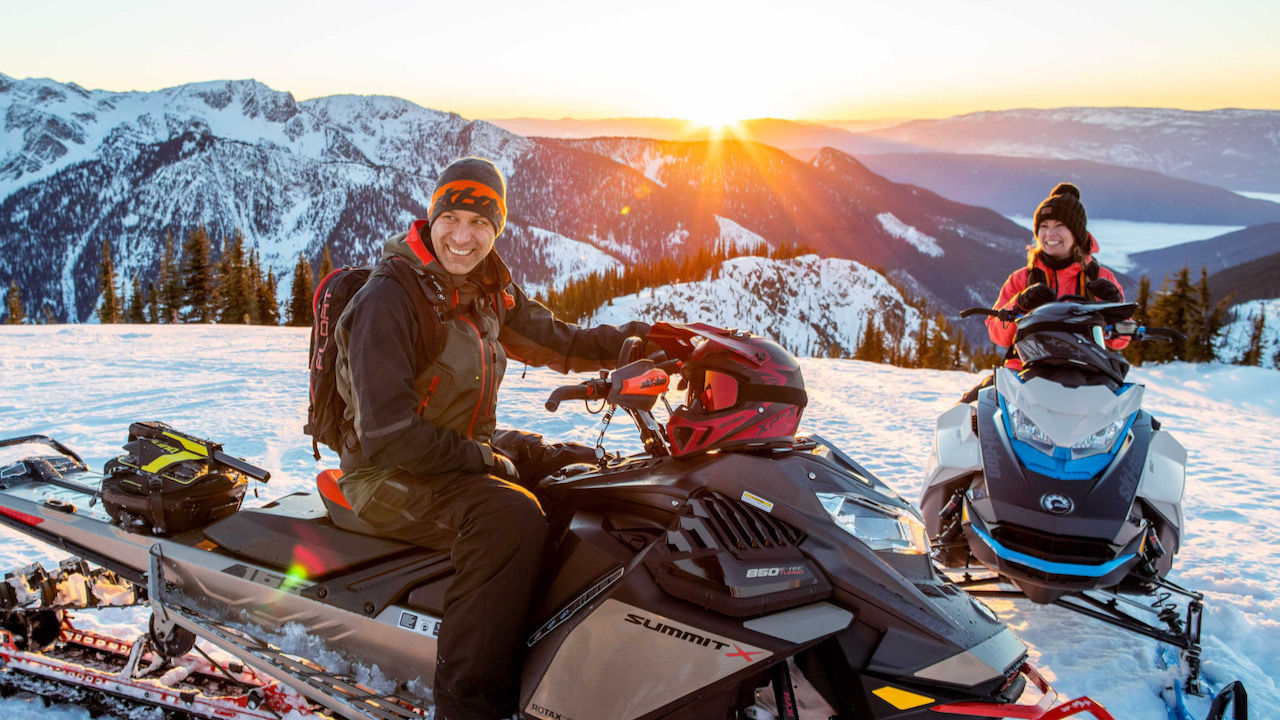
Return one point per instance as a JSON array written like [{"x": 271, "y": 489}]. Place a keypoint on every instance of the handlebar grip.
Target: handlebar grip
[
  {"x": 970, "y": 312},
  {"x": 1163, "y": 335},
  {"x": 568, "y": 392}
]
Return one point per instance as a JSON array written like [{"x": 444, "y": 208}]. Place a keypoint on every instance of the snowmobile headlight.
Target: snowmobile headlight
[
  {"x": 1102, "y": 439},
  {"x": 880, "y": 527},
  {"x": 1025, "y": 430}
]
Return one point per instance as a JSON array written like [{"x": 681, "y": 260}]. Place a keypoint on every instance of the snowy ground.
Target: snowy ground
[
  {"x": 1117, "y": 239},
  {"x": 246, "y": 388}
]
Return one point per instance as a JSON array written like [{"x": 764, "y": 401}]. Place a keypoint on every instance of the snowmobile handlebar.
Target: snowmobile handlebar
[
  {"x": 1006, "y": 315},
  {"x": 589, "y": 390},
  {"x": 1159, "y": 335}
]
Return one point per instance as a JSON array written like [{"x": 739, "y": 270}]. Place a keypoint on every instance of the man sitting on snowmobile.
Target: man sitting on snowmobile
[
  {"x": 1059, "y": 264},
  {"x": 418, "y": 455}
]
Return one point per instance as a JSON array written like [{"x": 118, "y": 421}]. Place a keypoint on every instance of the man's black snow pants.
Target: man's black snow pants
[{"x": 495, "y": 532}]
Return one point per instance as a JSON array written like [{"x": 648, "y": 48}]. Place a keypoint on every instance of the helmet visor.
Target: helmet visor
[{"x": 718, "y": 391}]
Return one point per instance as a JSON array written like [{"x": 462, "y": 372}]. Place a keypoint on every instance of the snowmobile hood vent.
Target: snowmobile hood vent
[
  {"x": 742, "y": 528},
  {"x": 735, "y": 559}
]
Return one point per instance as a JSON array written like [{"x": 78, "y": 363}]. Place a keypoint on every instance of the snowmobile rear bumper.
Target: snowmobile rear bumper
[{"x": 1044, "y": 709}]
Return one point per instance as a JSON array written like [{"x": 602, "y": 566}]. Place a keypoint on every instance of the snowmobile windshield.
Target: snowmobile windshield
[{"x": 1071, "y": 335}]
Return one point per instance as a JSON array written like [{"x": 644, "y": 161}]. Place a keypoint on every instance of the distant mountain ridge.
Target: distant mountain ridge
[
  {"x": 949, "y": 254},
  {"x": 1232, "y": 149},
  {"x": 1016, "y": 185},
  {"x": 78, "y": 167},
  {"x": 1258, "y": 279},
  {"x": 1143, "y": 164},
  {"x": 1233, "y": 250}
]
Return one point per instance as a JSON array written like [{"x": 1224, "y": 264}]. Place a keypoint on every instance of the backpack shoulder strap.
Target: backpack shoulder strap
[
  {"x": 430, "y": 323},
  {"x": 1089, "y": 274}
]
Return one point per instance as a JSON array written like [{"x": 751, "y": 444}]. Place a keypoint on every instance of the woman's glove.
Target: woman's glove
[
  {"x": 1104, "y": 290},
  {"x": 1035, "y": 296}
]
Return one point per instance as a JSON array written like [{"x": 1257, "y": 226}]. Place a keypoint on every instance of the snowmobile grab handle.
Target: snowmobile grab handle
[{"x": 44, "y": 440}]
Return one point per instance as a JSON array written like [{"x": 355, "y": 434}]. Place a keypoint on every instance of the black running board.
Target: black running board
[
  {"x": 1182, "y": 633},
  {"x": 339, "y": 694}
]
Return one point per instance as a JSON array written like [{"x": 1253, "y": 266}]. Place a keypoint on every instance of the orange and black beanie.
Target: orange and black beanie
[
  {"x": 474, "y": 184},
  {"x": 1063, "y": 205}
]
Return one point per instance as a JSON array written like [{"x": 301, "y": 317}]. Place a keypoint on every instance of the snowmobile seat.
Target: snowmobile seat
[
  {"x": 335, "y": 502},
  {"x": 286, "y": 542}
]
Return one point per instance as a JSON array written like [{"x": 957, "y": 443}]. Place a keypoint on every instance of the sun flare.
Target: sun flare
[{"x": 714, "y": 124}]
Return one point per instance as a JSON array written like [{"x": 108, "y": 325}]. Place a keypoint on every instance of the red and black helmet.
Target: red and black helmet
[{"x": 743, "y": 390}]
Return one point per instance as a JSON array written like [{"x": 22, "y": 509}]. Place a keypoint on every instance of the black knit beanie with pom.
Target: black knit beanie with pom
[{"x": 1063, "y": 205}]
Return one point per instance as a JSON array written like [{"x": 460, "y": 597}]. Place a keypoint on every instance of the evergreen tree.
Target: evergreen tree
[
  {"x": 922, "y": 341},
  {"x": 235, "y": 298},
  {"x": 1211, "y": 319},
  {"x": 253, "y": 276},
  {"x": 109, "y": 309},
  {"x": 136, "y": 304},
  {"x": 326, "y": 265},
  {"x": 16, "y": 315},
  {"x": 1174, "y": 307},
  {"x": 871, "y": 345},
  {"x": 300, "y": 312},
  {"x": 939, "y": 357},
  {"x": 170, "y": 283},
  {"x": 153, "y": 303},
  {"x": 199, "y": 291},
  {"x": 265, "y": 301},
  {"x": 1135, "y": 352},
  {"x": 1253, "y": 353}
]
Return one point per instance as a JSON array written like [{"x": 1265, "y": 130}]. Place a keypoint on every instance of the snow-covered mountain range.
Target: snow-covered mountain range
[
  {"x": 1233, "y": 149},
  {"x": 816, "y": 306},
  {"x": 78, "y": 167}
]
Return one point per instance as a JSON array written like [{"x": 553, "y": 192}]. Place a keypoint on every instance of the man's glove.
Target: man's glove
[
  {"x": 1035, "y": 296},
  {"x": 504, "y": 469},
  {"x": 546, "y": 459},
  {"x": 1104, "y": 290}
]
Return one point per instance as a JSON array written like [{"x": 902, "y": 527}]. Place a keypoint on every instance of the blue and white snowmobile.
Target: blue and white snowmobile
[{"x": 1058, "y": 483}]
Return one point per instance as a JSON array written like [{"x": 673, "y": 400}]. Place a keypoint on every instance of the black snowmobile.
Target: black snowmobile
[{"x": 681, "y": 582}]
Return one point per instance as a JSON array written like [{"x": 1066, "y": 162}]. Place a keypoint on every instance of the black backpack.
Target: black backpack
[{"x": 326, "y": 411}]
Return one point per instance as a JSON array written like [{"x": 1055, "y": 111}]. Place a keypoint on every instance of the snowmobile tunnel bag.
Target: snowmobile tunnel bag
[{"x": 168, "y": 481}]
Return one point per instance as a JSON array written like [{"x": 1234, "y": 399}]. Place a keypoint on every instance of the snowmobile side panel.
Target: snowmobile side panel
[
  {"x": 956, "y": 451},
  {"x": 802, "y": 624},
  {"x": 1164, "y": 477},
  {"x": 991, "y": 659},
  {"x": 262, "y": 598},
  {"x": 955, "y": 456},
  {"x": 660, "y": 659}
]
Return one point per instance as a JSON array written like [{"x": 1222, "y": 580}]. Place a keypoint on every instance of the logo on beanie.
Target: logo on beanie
[{"x": 468, "y": 195}]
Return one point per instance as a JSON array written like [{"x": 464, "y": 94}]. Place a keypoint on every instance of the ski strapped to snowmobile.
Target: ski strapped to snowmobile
[
  {"x": 686, "y": 582},
  {"x": 1057, "y": 486},
  {"x": 43, "y": 653}
]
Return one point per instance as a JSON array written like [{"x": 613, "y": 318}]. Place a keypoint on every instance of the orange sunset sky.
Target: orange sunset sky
[{"x": 718, "y": 61}]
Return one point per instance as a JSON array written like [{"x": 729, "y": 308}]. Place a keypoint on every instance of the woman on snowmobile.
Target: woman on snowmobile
[{"x": 1059, "y": 264}]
